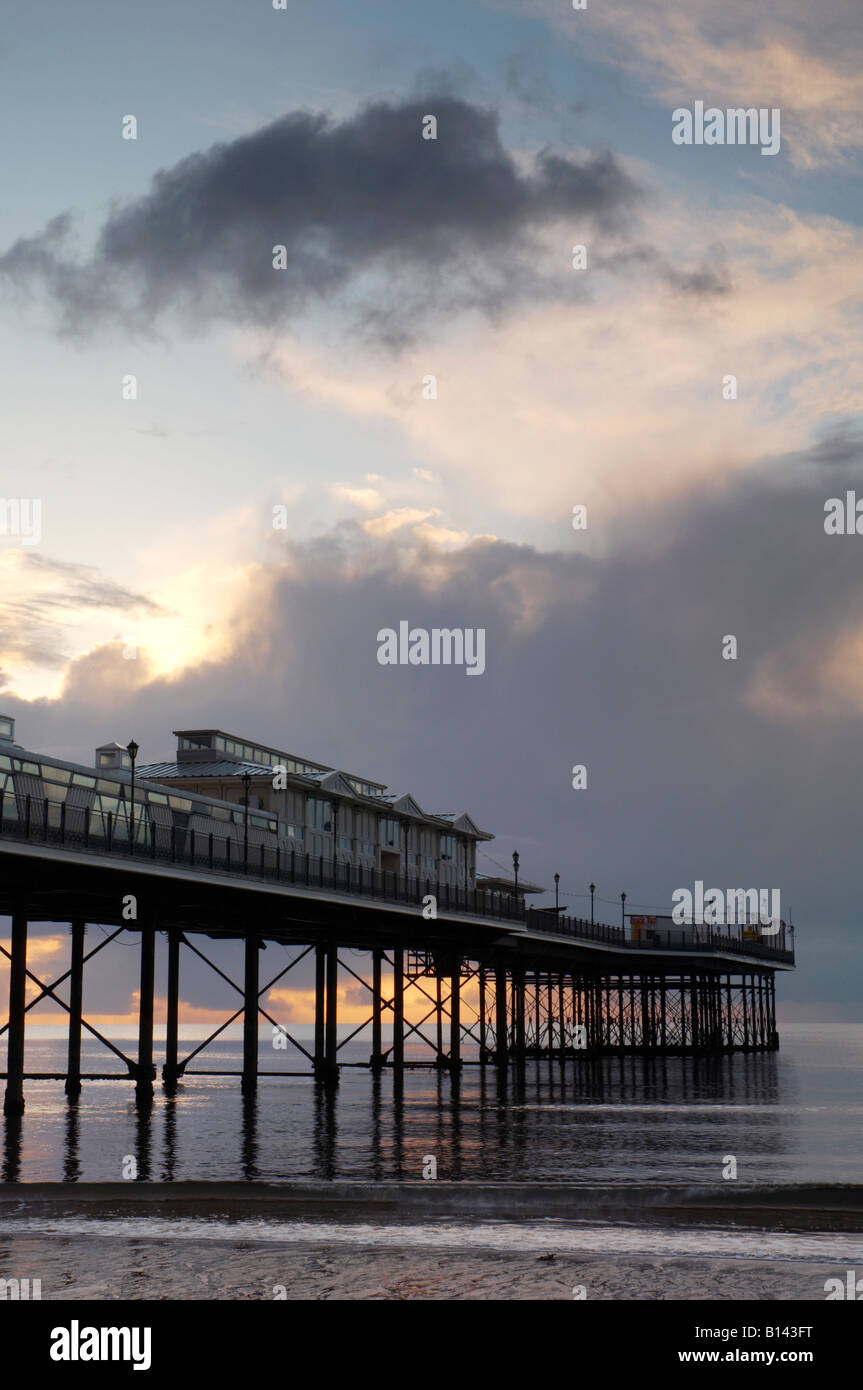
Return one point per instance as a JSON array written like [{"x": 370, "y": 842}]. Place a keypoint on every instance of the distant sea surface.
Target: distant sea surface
[{"x": 791, "y": 1117}]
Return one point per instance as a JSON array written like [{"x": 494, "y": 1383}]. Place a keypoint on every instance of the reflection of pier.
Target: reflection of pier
[{"x": 484, "y": 975}]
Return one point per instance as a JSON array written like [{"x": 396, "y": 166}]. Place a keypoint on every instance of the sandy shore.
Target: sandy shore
[
  {"x": 427, "y": 1242},
  {"x": 82, "y": 1268}
]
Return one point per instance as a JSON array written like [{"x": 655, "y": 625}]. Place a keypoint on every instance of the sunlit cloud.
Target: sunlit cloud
[{"x": 784, "y": 53}]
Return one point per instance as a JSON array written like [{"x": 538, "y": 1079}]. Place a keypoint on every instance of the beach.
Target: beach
[
  {"x": 151, "y": 1268},
  {"x": 218, "y": 1242}
]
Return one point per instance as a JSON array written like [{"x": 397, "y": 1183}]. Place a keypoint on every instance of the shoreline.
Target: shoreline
[
  {"x": 431, "y": 1241},
  {"x": 807, "y": 1207}
]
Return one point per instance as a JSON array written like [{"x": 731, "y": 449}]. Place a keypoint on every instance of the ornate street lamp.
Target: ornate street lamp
[
  {"x": 132, "y": 750},
  {"x": 247, "y": 782},
  {"x": 592, "y": 891},
  {"x": 556, "y": 900},
  {"x": 623, "y": 910},
  {"x": 515, "y": 869}
]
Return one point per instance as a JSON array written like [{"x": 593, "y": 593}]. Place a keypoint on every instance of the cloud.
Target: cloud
[
  {"x": 623, "y": 402},
  {"x": 43, "y": 602},
  {"x": 697, "y": 767},
  {"x": 394, "y": 520},
  {"x": 371, "y": 214},
  {"x": 785, "y": 53},
  {"x": 366, "y": 498}
]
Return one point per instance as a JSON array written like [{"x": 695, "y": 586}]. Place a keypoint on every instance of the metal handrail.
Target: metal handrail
[{"x": 72, "y": 827}]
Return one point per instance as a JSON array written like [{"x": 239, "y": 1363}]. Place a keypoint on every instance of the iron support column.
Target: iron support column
[
  {"x": 399, "y": 1014},
  {"x": 501, "y": 1048},
  {"x": 145, "y": 1072},
  {"x": 251, "y": 984},
  {"x": 76, "y": 1004},
  {"x": 331, "y": 1064},
  {"x": 320, "y": 996},
  {"x": 170, "y": 1073},
  {"x": 13, "y": 1102},
  {"x": 455, "y": 1018},
  {"x": 377, "y": 1058},
  {"x": 519, "y": 992}
]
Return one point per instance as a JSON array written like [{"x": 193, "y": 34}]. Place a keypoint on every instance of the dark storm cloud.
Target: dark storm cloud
[
  {"x": 442, "y": 221},
  {"x": 614, "y": 663}
]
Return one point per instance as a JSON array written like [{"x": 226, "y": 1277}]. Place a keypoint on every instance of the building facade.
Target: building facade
[
  {"x": 320, "y": 810},
  {"x": 224, "y": 787}
]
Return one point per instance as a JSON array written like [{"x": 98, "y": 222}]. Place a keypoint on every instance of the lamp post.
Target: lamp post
[
  {"x": 247, "y": 782},
  {"x": 592, "y": 891},
  {"x": 556, "y": 900},
  {"x": 515, "y": 869},
  {"x": 622, "y": 910},
  {"x": 132, "y": 750},
  {"x": 334, "y": 811}
]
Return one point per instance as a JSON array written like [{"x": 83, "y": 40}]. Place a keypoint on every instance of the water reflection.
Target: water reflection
[
  {"x": 249, "y": 1129},
  {"x": 71, "y": 1148},
  {"x": 618, "y": 1119},
  {"x": 12, "y": 1135}
]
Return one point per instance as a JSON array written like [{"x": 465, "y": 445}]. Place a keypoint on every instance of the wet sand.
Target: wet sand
[
  {"x": 426, "y": 1242},
  {"x": 82, "y": 1268}
]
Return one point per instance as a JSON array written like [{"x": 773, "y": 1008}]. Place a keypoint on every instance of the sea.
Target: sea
[{"x": 790, "y": 1117}]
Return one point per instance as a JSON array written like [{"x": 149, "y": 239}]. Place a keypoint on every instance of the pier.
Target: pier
[{"x": 509, "y": 981}]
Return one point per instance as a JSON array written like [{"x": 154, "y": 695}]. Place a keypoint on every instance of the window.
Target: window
[
  {"x": 364, "y": 788},
  {"x": 447, "y": 846},
  {"x": 7, "y": 728},
  {"x": 345, "y": 842},
  {"x": 389, "y": 832},
  {"x": 318, "y": 813}
]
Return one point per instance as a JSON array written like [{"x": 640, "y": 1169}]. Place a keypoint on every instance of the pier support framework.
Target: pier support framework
[{"x": 436, "y": 1007}]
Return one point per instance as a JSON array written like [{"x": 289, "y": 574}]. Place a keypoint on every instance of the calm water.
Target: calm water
[{"x": 792, "y": 1117}]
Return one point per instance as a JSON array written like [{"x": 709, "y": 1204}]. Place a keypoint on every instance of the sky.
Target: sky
[{"x": 306, "y": 389}]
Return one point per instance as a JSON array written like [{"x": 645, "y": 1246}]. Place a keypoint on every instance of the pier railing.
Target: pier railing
[
  {"x": 44, "y": 821},
  {"x": 778, "y": 947}
]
